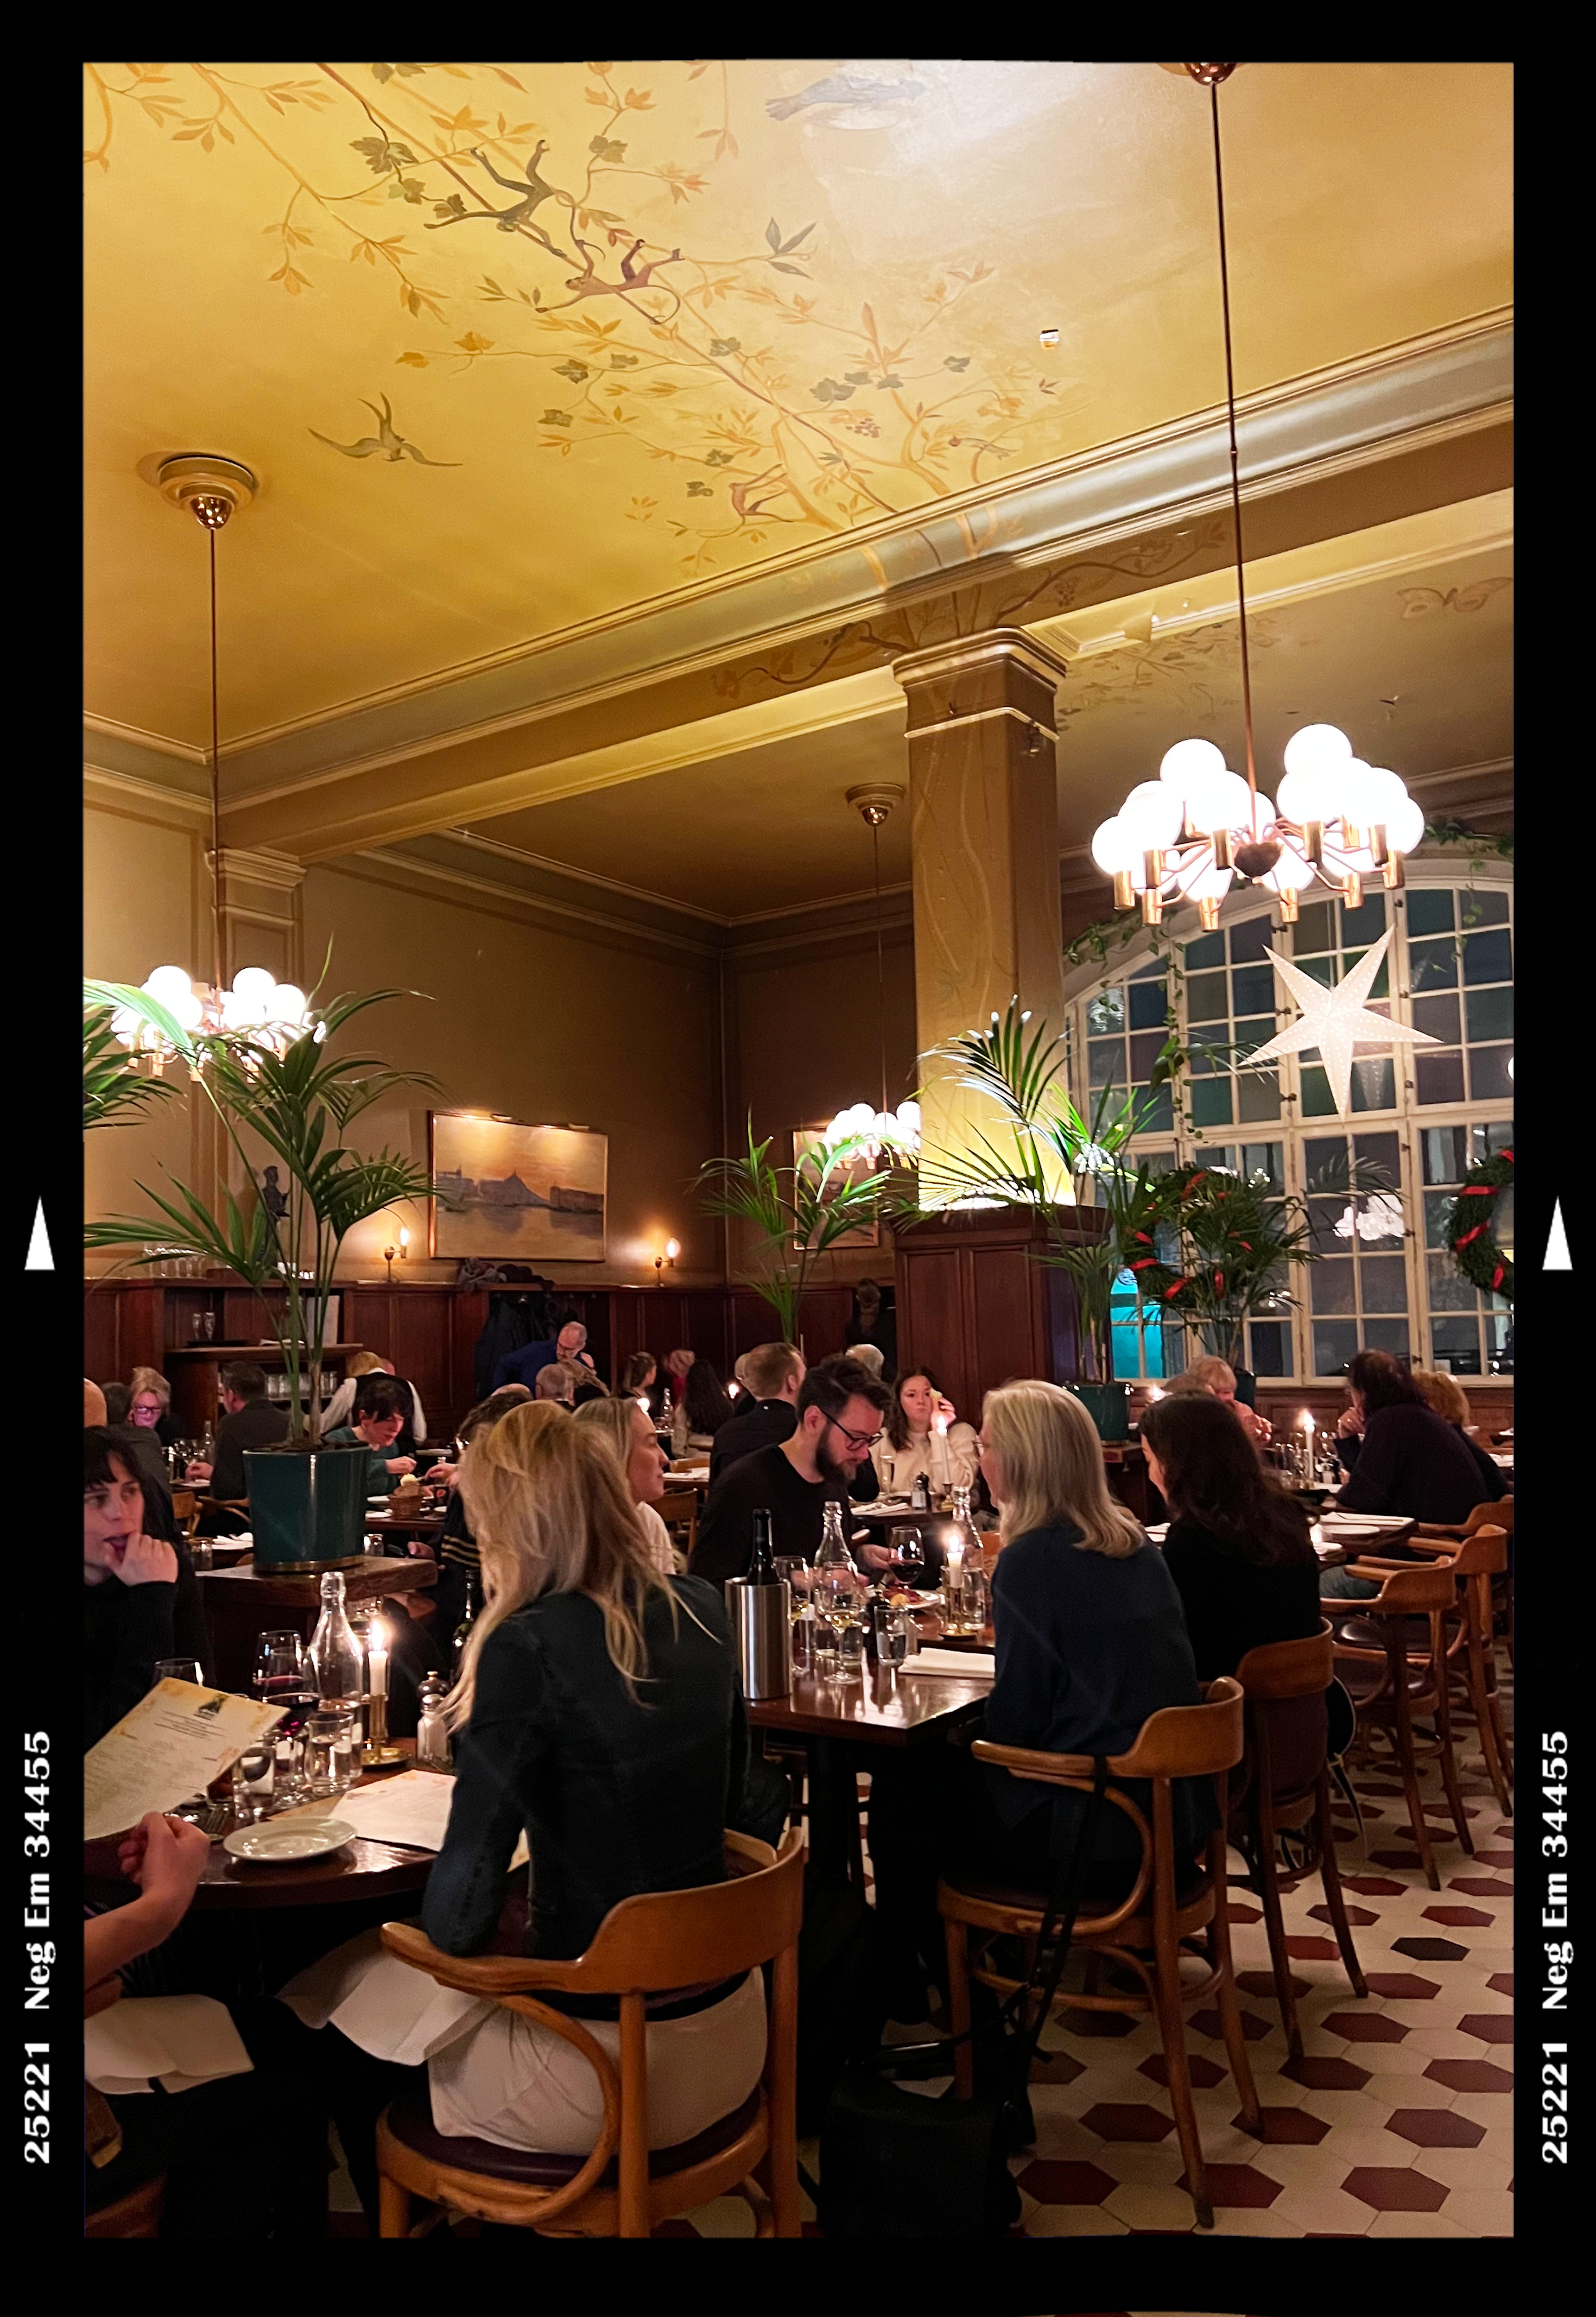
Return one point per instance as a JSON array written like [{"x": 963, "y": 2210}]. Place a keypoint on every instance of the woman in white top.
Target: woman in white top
[
  {"x": 923, "y": 1435},
  {"x": 628, "y": 1428}
]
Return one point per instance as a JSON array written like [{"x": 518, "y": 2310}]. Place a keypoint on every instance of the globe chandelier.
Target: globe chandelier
[
  {"x": 259, "y": 1008},
  {"x": 1333, "y": 821}
]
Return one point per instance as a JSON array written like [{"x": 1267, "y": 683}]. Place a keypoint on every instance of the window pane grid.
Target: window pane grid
[{"x": 1425, "y": 1317}]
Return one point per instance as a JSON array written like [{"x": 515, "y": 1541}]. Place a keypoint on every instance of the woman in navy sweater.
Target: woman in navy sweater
[
  {"x": 1090, "y": 1637},
  {"x": 1401, "y": 1457}
]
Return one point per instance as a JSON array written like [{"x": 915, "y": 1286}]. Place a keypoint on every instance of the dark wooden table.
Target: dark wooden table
[
  {"x": 362, "y": 1870},
  {"x": 417, "y": 1523},
  {"x": 831, "y": 1717},
  {"x": 242, "y": 1603}
]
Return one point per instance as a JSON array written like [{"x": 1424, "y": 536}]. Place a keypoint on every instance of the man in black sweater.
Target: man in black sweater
[
  {"x": 838, "y": 1420},
  {"x": 774, "y": 1375},
  {"x": 251, "y": 1421}
]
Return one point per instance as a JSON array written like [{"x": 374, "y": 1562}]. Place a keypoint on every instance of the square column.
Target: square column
[{"x": 983, "y": 837}]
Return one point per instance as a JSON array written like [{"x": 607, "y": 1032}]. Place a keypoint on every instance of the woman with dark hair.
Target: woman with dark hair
[
  {"x": 141, "y": 1598},
  {"x": 1238, "y": 1546},
  {"x": 379, "y": 1418},
  {"x": 1400, "y": 1457},
  {"x": 706, "y": 1402},
  {"x": 923, "y": 1435},
  {"x": 639, "y": 1379}
]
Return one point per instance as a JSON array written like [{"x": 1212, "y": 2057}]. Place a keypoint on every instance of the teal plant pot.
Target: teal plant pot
[
  {"x": 1108, "y": 1407},
  {"x": 306, "y": 1506}
]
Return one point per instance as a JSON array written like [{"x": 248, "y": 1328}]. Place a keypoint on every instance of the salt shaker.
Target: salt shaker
[{"x": 431, "y": 1729}]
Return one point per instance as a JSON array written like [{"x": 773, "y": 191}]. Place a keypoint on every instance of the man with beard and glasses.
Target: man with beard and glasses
[{"x": 839, "y": 1410}]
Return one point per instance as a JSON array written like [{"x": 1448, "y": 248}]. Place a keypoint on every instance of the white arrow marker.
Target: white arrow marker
[
  {"x": 40, "y": 1257},
  {"x": 1558, "y": 1255}
]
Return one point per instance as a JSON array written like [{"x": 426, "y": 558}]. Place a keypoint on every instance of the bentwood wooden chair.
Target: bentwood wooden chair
[
  {"x": 657, "y": 1944},
  {"x": 1392, "y": 1659},
  {"x": 1499, "y": 1515},
  {"x": 1170, "y": 1906},
  {"x": 1285, "y": 1788},
  {"x": 679, "y": 1510},
  {"x": 1475, "y": 1560}
]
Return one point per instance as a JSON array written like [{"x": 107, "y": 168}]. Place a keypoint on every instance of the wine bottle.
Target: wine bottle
[
  {"x": 761, "y": 1569},
  {"x": 462, "y": 1631}
]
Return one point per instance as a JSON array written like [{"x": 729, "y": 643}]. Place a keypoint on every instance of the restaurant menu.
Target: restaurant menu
[
  {"x": 172, "y": 1745},
  {"x": 411, "y": 1810}
]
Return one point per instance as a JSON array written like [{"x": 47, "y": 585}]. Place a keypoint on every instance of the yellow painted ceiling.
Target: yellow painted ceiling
[
  {"x": 1402, "y": 635},
  {"x": 734, "y": 311}
]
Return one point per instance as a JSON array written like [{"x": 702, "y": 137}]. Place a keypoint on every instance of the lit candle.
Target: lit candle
[
  {"x": 377, "y": 1660},
  {"x": 1307, "y": 1425},
  {"x": 404, "y": 1243}
]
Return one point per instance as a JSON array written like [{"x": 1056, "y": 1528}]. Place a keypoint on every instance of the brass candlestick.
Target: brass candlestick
[{"x": 377, "y": 1753}]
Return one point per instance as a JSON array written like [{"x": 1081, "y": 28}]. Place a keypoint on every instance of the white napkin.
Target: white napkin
[
  {"x": 182, "y": 2040},
  {"x": 969, "y": 1665}
]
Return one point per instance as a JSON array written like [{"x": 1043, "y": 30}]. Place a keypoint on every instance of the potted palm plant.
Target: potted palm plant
[
  {"x": 297, "y": 1100},
  {"x": 1039, "y": 1140},
  {"x": 797, "y": 1214}
]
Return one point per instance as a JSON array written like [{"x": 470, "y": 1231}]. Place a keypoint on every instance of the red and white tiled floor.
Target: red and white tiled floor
[{"x": 1396, "y": 2121}]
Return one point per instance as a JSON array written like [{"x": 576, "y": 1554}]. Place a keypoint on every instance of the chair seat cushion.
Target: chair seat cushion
[{"x": 410, "y": 2121}]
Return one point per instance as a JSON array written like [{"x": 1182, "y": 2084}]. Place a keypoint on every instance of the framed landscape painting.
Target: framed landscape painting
[{"x": 532, "y": 1194}]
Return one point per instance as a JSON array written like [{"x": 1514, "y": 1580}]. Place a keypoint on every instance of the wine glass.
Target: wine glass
[
  {"x": 279, "y": 1666},
  {"x": 907, "y": 1549},
  {"x": 176, "y": 1669}
]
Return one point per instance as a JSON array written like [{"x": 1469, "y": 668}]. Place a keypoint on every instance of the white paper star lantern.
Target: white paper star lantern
[{"x": 1336, "y": 1020}]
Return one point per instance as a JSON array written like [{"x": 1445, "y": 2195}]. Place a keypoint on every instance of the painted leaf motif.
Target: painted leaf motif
[
  {"x": 455, "y": 206},
  {"x": 956, "y": 362},
  {"x": 889, "y": 380},
  {"x": 623, "y": 361},
  {"x": 726, "y": 345},
  {"x": 473, "y": 342},
  {"x": 557, "y": 418},
  {"x": 607, "y": 148},
  {"x": 778, "y": 267},
  {"x": 717, "y": 457},
  {"x": 773, "y": 235},
  {"x": 857, "y": 377},
  {"x": 573, "y": 370},
  {"x": 700, "y": 491},
  {"x": 417, "y": 362},
  {"x": 828, "y": 390}
]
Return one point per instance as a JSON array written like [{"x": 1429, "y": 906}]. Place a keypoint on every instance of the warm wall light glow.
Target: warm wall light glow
[
  {"x": 672, "y": 1249},
  {"x": 404, "y": 1242}
]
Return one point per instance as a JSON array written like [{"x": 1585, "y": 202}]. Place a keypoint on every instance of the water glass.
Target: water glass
[
  {"x": 331, "y": 1748},
  {"x": 826, "y": 1642},
  {"x": 177, "y": 1669},
  {"x": 851, "y": 1646},
  {"x": 252, "y": 1782},
  {"x": 892, "y": 1643}
]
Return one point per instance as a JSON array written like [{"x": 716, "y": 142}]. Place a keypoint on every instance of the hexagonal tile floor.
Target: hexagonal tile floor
[{"x": 1397, "y": 2119}]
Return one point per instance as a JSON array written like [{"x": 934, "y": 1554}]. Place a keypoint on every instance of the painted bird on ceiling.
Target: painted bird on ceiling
[
  {"x": 847, "y": 100},
  {"x": 386, "y": 440}
]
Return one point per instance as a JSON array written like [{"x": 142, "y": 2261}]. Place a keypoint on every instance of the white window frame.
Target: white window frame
[{"x": 1407, "y": 1119}]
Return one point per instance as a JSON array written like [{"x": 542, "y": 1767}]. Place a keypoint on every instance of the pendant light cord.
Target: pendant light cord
[
  {"x": 216, "y": 785},
  {"x": 880, "y": 970},
  {"x": 1236, "y": 488}
]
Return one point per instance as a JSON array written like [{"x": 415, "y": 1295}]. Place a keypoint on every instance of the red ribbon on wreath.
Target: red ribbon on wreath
[
  {"x": 1468, "y": 1235},
  {"x": 1496, "y": 1277},
  {"x": 1479, "y": 1190},
  {"x": 1175, "y": 1289}
]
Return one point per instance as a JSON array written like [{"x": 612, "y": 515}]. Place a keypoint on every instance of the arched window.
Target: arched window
[{"x": 1421, "y": 1115}]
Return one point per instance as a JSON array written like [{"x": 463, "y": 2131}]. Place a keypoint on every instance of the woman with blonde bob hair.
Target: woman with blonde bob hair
[
  {"x": 1091, "y": 1635},
  {"x": 598, "y": 1713}
]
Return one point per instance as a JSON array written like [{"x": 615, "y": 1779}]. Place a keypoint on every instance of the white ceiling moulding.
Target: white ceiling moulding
[
  {"x": 1450, "y": 381},
  {"x": 120, "y": 791},
  {"x": 147, "y": 757}
]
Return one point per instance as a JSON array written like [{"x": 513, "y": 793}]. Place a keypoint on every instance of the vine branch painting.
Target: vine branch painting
[{"x": 727, "y": 388}]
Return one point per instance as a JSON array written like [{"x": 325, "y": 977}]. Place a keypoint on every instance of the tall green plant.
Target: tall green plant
[
  {"x": 301, "y": 1104},
  {"x": 1042, "y": 1139},
  {"x": 115, "y": 1090},
  {"x": 799, "y": 1213}
]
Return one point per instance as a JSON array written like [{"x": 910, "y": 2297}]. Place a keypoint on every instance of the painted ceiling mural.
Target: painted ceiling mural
[{"x": 519, "y": 346}]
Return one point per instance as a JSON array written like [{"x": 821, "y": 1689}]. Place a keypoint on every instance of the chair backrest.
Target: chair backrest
[
  {"x": 1499, "y": 1515},
  {"x": 1407, "y": 1592},
  {"x": 1178, "y": 1742},
  {"x": 677, "y": 1505},
  {"x": 1483, "y": 1553},
  {"x": 650, "y": 1945},
  {"x": 1301, "y": 1669}
]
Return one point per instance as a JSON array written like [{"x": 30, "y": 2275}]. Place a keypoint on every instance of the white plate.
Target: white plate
[{"x": 288, "y": 1842}]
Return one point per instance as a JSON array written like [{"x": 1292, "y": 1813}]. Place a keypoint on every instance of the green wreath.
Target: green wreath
[{"x": 1470, "y": 1226}]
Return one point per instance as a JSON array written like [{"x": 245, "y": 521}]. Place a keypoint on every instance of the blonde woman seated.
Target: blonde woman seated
[
  {"x": 1090, "y": 1635},
  {"x": 1218, "y": 1377},
  {"x": 923, "y": 1435},
  {"x": 598, "y": 1713},
  {"x": 626, "y": 1425}
]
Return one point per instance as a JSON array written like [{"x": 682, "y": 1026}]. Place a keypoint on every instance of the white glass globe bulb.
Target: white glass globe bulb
[
  {"x": 1386, "y": 793},
  {"x": 1405, "y": 826},
  {"x": 188, "y": 1010},
  {"x": 1358, "y": 793},
  {"x": 1317, "y": 747},
  {"x": 1151, "y": 813},
  {"x": 1190, "y": 763},
  {"x": 287, "y": 1004},
  {"x": 169, "y": 985},
  {"x": 1307, "y": 795},
  {"x": 908, "y": 1119},
  {"x": 1209, "y": 884},
  {"x": 1290, "y": 874},
  {"x": 1262, "y": 816},
  {"x": 1114, "y": 848},
  {"x": 253, "y": 981},
  {"x": 1222, "y": 800}
]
